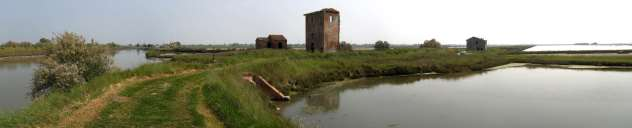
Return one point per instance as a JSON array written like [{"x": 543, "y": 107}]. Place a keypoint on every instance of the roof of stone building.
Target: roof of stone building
[
  {"x": 329, "y": 10},
  {"x": 262, "y": 38},
  {"x": 276, "y": 37},
  {"x": 472, "y": 38}
]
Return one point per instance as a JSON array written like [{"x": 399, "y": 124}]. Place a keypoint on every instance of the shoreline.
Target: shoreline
[{"x": 22, "y": 58}]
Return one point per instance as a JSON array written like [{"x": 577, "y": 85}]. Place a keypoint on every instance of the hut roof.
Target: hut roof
[
  {"x": 276, "y": 37},
  {"x": 475, "y": 38},
  {"x": 328, "y": 10},
  {"x": 262, "y": 38}
]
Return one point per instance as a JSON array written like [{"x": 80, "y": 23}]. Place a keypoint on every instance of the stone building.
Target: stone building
[
  {"x": 476, "y": 44},
  {"x": 322, "y": 29},
  {"x": 272, "y": 41}
]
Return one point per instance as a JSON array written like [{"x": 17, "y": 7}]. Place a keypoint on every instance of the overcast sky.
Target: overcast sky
[{"x": 362, "y": 21}]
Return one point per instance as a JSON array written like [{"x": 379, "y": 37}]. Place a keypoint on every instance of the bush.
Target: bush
[
  {"x": 72, "y": 61},
  {"x": 55, "y": 75},
  {"x": 344, "y": 46},
  {"x": 71, "y": 48},
  {"x": 431, "y": 44},
  {"x": 381, "y": 45}
]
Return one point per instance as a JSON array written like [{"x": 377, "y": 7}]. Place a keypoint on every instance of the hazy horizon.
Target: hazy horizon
[{"x": 397, "y": 21}]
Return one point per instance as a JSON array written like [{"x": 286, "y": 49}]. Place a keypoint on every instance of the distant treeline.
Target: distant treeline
[{"x": 26, "y": 48}]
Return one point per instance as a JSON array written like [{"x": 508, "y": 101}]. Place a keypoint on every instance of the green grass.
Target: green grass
[
  {"x": 21, "y": 51},
  {"x": 598, "y": 60},
  {"x": 194, "y": 99},
  {"x": 48, "y": 109},
  {"x": 158, "y": 103},
  {"x": 152, "y": 53},
  {"x": 299, "y": 70}
]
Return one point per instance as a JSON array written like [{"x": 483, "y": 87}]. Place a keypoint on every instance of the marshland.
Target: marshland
[{"x": 309, "y": 64}]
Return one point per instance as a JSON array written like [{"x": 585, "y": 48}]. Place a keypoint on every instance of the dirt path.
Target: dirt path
[{"x": 90, "y": 110}]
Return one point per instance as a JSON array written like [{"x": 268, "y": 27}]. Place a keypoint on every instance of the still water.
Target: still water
[
  {"x": 15, "y": 77},
  {"x": 518, "y": 97}
]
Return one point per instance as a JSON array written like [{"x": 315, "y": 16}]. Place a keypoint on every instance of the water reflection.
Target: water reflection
[
  {"x": 511, "y": 97},
  {"x": 327, "y": 99},
  {"x": 15, "y": 81},
  {"x": 322, "y": 102}
]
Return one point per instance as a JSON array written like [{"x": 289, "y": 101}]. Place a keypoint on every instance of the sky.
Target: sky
[{"x": 362, "y": 21}]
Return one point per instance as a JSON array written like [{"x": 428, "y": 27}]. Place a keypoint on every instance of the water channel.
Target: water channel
[{"x": 516, "y": 97}]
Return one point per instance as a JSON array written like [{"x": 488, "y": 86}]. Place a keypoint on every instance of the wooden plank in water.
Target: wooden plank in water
[{"x": 267, "y": 87}]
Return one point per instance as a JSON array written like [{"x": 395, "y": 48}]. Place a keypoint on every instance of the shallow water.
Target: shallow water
[
  {"x": 16, "y": 77},
  {"x": 517, "y": 97}
]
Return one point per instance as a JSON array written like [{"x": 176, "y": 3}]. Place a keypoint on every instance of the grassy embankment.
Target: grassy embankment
[
  {"x": 238, "y": 104},
  {"x": 599, "y": 60},
  {"x": 21, "y": 51},
  {"x": 195, "y": 99}
]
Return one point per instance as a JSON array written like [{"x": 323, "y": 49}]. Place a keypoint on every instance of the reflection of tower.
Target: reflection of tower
[{"x": 324, "y": 102}]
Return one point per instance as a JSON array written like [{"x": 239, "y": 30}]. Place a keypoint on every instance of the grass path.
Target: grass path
[
  {"x": 172, "y": 101},
  {"x": 209, "y": 118},
  {"x": 90, "y": 110}
]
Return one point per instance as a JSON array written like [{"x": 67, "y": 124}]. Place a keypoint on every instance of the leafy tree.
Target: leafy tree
[
  {"x": 112, "y": 45},
  {"x": 381, "y": 45},
  {"x": 25, "y": 44},
  {"x": 174, "y": 45},
  {"x": 44, "y": 42},
  {"x": 11, "y": 44},
  {"x": 70, "y": 56},
  {"x": 431, "y": 44}
]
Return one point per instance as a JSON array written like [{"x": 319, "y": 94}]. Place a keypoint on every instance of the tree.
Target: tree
[
  {"x": 44, "y": 42},
  {"x": 25, "y": 44},
  {"x": 431, "y": 44},
  {"x": 381, "y": 45},
  {"x": 176, "y": 44},
  {"x": 70, "y": 61},
  {"x": 12, "y": 44},
  {"x": 112, "y": 45},
  {"x": 344, "y": 46}
]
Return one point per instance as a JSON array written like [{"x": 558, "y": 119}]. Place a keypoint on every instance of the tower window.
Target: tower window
[{"x": 331, "y": 19}]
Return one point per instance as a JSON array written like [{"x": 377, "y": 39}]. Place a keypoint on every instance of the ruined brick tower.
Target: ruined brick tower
[{"x": 322, "y": 30}]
